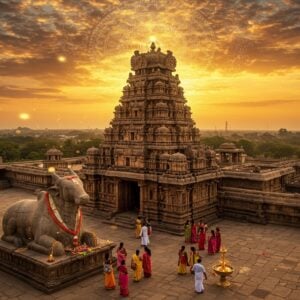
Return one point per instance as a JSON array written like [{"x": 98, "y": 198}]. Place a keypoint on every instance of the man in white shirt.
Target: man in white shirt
[
  {"x": 144, "y": 235},
  {"x": 200, "y": 274}
]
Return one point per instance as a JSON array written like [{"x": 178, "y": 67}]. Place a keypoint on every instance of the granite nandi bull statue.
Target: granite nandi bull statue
[{"x": 53, "y": 221}]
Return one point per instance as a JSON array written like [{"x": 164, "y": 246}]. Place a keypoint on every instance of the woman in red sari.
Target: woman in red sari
[
  {"x": 200, "y": 225},
  {"x": 123, "y": 279},
  {"x": 202, "y": 239},
  {"x": 147, "y": 264},
  {"x": 194, "y": 232},
  {"x": 211, "y": 248},
  {"x": 121, "y": 254},
  {"x": 218, "y": 239}
]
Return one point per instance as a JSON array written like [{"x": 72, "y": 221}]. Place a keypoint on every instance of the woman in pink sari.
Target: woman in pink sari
[
  {"x": 211, "y": 248},
  {"x": 194, "y": 233},
  {"x": 202, "y": 239},
  {"x": 121, "y": 254},
  {"x": 218, "y": 239},
  {"x": 123, "y": 279},
  {"x": 147, "y": 264}
]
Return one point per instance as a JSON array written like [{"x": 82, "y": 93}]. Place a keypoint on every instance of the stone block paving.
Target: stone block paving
[{"x": 266, "y": 259}]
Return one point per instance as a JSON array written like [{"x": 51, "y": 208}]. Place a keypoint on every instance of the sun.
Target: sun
[
  {"x": 61, "y": 59},
  {"x": 24, "y": 116},
  {"x": 152, "y": 38}
]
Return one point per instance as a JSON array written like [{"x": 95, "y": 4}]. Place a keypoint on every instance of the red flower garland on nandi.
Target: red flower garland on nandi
[{"x": 61, "y": 224}]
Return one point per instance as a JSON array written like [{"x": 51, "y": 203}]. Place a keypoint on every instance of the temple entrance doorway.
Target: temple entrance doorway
[{"x": 129, "y": 196}]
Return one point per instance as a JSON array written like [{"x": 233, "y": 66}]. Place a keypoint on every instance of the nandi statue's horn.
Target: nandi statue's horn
[
  {"x": 72, "y": 172},
  {"x": 55, "y": 177}
]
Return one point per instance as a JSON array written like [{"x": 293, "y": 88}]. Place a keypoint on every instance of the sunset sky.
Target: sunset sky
[{"x": 63, "y": 63}]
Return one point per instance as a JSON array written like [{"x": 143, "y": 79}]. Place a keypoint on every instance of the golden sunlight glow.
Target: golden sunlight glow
[
  {"x": 51, "y": 169},
  {"x": 24, "y": 116},
  {"x": 152, "y": 38},
  {"x": 231, "y": 65},
  {"x": 61, "y": 59}
]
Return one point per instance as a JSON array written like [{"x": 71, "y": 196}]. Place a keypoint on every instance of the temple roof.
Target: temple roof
[
  {"x": 54, "y": 151},
  {"x": 93, "y": 151},
  {"x": 178, "y": 157},
  {"x": 153, "y": 58}
]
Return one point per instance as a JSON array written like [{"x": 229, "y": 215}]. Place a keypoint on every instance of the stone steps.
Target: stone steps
[
  {"x": 122, "y": 220},
  {"x": 4, "y": 184}
]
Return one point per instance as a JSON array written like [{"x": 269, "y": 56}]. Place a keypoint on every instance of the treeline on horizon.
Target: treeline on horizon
[{"x": 17, "y": 147}]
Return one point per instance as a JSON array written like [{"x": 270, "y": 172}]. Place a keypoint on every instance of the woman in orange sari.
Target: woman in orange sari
[
  {"x": 182, "y": 261},
  {"x": 109, "y": 277},
  {"x": 123, "y": 279}
]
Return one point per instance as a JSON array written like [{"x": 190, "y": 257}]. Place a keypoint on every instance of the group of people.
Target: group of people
[
  {"x": 196, "y": 268},
  {"x": 197, "y": 233},
  {"x": 139, "y": 264},
  {"x": 194, "y": 233}
]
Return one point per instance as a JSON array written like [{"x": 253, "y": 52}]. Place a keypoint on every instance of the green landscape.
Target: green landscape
[{"x": 28, "y": 144}]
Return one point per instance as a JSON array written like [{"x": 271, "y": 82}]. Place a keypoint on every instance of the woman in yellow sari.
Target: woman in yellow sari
[
  {"x": 136, "y": 266},
  {"x": 138, "y": 227}
]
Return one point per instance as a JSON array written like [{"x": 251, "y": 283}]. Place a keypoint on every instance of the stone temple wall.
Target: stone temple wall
[{"x": 259, "y": 207}]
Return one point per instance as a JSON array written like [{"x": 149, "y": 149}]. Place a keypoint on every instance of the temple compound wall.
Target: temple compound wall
[
  {"x": 34, "y": 175},
  {"x": 259, "y": 207}
]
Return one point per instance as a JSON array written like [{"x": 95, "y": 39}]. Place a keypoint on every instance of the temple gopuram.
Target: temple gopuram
[{"x": 151, "y": 160}]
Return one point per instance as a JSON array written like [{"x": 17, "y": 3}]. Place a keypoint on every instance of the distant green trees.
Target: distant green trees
[
  {"x": 284, "y": 144},
  {"x": 15, "y": 148},
  {"x": 248, "y": 146},
  {"x": 214, "y": 141}
]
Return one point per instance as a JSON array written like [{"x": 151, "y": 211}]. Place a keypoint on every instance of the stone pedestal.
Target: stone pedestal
[{"x": 33, "y": 267}]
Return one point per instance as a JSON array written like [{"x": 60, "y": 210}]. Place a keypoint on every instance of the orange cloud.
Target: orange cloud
[{"x": 232, "y": 50}]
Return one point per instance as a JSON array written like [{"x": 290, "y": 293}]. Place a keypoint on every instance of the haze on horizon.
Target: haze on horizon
[{"x": 63, "y": 64}]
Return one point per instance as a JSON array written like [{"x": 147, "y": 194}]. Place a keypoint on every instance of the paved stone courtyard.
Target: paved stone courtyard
[{"x": 266, "y": 261}]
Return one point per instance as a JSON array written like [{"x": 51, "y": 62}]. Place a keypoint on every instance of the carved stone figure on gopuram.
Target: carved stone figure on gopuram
[{"x": 152, "y": 151}]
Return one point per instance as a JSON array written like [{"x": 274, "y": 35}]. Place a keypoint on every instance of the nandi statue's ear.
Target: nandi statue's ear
[{"x": 53, "y": 191}]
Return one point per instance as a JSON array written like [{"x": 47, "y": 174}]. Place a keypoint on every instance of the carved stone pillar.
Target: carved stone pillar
[{"x": 143, "y": 196}]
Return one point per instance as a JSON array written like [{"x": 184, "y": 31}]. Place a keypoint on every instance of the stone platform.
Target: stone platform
[{"x": 49, "y": 277}]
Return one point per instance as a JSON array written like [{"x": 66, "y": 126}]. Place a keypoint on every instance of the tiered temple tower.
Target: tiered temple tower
[{"x": 151, "y": 160}]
